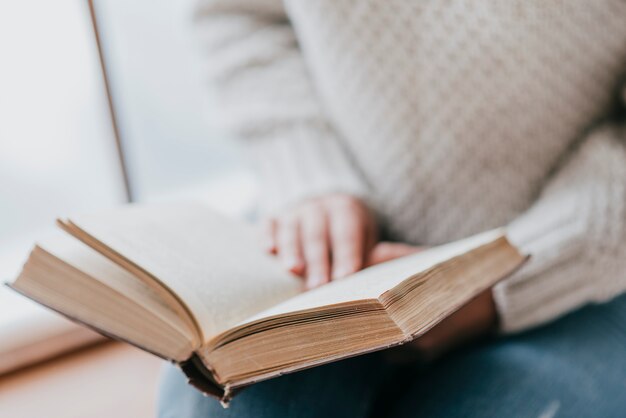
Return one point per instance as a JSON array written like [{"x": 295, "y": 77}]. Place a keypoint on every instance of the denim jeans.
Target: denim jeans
[{"x": 574, "y": 367}]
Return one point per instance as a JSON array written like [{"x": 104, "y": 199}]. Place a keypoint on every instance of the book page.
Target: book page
[
  {"x": 374, "y": 281},
  {"x": 214, "y": 264},
  {"x": 74, "y": 253}
]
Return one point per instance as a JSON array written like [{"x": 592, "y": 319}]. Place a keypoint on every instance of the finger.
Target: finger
[
  {"x": 371, "y": 237},
  {"x": 289, "y": 246},
  {"x": 347, "y": 238},
  {"x": 315, "y": 247},
  {"x": 268, "y": 235},
  {"x": 386, "y": 251},
  {"x": 378, "y": 254}
]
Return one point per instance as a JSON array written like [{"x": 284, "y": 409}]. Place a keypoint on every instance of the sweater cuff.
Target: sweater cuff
[
  {"x": 549, "y": 283},
  {"x": 575, "y": 236},
  {"x": 301, "y": 162}
]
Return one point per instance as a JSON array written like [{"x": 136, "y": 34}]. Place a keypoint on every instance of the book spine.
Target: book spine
[{"x": 201, "y": 378}]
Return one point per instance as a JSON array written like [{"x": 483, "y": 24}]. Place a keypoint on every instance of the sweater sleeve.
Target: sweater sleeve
[
  {"x": 266, "y": 98},
  {"x": 576, "y": 236}
]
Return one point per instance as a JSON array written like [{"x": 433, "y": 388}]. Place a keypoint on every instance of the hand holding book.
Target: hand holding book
[
  {"x": 331, "y": 236},
  {"x": 322, "y": 238}
]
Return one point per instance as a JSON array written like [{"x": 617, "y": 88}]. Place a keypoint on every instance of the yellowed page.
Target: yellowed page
[
  {"x": 374, "y": 281},
  {"x": 212, "y": 263},
  {"x": 78, "y": 255}
]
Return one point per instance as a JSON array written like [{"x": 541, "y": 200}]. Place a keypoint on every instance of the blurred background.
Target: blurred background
[{"x": 59, "y": 154}]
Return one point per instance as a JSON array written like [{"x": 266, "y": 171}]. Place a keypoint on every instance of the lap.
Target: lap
[
  {"x": 573, "y": 367},
  {"x": 343, "y": 389}
]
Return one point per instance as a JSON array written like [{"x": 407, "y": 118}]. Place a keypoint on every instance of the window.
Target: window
[
  {"x": 164, "y": 107},
  {"x": 58, "y": 153}
]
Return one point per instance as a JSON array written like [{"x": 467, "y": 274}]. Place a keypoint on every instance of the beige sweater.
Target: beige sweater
[{"x": 449, "y": 118}]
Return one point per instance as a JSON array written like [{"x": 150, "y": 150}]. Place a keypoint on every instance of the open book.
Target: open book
[{"x": 193, "y": 287}]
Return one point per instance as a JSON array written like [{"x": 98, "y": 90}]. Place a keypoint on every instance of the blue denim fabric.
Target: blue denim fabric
[{"x": 574, "y": 367}]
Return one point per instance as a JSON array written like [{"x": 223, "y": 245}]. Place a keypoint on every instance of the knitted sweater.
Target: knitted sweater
[{"x": 449, "y": 118}]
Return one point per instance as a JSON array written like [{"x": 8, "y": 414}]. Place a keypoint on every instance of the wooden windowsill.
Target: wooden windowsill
[{"x": 103, "y": 381}]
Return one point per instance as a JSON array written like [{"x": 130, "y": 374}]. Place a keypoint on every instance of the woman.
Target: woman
[{"x": 427, "y": 122}]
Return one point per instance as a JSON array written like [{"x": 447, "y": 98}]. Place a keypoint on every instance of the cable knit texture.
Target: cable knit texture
[{"x": 449, "y": 117}]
